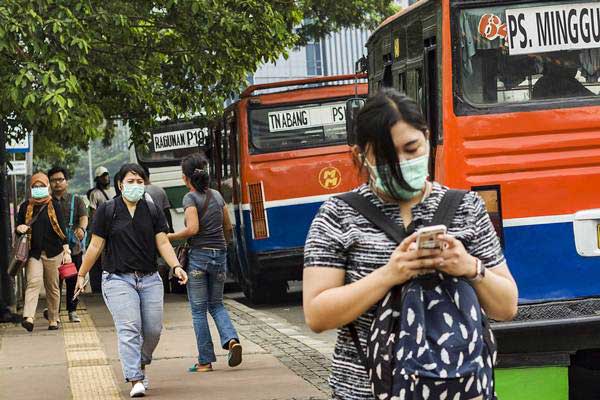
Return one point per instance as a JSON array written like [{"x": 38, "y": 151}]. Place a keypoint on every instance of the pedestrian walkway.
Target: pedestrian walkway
[{"x": 80, "y": 361}]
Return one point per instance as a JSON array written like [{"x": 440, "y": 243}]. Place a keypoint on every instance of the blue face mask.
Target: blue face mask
[
  {"x": 133, "y": 192},
  {"x": 40, "y": 192},
  {"x": 414, "y": 172}
]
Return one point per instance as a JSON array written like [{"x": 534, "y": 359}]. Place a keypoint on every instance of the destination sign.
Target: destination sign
[
  {"x": 181, "y": 139},
  {"x": 309, "y": 117},
  {"x": 553, "y": 28}
]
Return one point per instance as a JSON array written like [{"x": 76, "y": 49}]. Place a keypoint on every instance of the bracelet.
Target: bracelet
[
  {"x": 479, "y": 271},
  {"x": 177, "y": 266}
]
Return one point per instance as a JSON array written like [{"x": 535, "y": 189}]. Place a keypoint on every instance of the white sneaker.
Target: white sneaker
[
  {"x": 138, "y": 390},
  {"x": 146, "y": 382}
]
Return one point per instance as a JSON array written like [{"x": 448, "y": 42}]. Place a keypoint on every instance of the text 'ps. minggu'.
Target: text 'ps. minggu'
[{"x": 553, "y": 28}]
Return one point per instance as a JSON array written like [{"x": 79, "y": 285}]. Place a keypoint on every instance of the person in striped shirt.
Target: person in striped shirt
[{"x": 350, "y": 264}]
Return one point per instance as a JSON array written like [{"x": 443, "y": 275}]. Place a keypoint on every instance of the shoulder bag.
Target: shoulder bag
[{"x": 20, "y": 250}]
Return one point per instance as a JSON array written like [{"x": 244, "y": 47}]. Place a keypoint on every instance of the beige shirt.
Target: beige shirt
[{"x": 97, "y": 197}]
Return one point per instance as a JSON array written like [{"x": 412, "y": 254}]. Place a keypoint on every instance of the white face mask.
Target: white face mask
[
  {"x": 414, "y": 172},
  {"x": 40, "y": 192},
  {"x": 133, "y": 192}
]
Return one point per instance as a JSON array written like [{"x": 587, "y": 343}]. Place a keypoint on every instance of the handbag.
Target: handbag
[
  {"x": 19, "y": 254},
  {"x": 182, "y": 250},
  {"x": 67, "y": 270},
  {"x": 182, "y": 255}
]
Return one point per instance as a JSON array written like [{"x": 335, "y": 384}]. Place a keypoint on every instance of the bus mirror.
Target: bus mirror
[{"x": 352, "y": 107}]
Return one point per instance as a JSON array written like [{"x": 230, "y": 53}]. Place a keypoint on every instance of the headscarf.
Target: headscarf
[{"x": 40, "y": 177}]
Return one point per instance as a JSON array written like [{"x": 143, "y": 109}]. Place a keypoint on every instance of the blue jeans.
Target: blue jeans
[
  {"x": 207, "y": 271},
  {"x": 135, "y": 302}
]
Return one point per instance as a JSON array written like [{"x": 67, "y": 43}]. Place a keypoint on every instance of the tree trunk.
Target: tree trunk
[{"x": 6, "y": 282}]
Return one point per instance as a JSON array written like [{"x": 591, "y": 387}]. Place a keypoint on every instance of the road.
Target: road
[{"x": 290, "y": 310}]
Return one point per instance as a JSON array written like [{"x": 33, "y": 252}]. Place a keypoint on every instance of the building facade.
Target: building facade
[{"x": 336, "y": 54}]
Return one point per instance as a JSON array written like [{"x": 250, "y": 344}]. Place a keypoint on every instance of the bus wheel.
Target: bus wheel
[{"x": 265, "y": 291}]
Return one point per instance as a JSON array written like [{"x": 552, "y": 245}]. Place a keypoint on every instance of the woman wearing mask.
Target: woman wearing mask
[
  {"x": 133, "y": 232},
  {"x": 207, "y": 227},
  {"x": 41, "y": 218},
  {"x": 350, "y": 265}
]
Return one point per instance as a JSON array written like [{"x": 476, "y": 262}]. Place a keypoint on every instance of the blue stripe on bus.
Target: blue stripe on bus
[
  {"x": 545, "y": 263},
  {"x": 542, "y": 258},
  {"x": 288, "y": 227}
]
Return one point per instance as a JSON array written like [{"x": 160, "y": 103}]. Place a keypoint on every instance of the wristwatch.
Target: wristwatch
[
  {"x": 177, "y": 266},
  {"x": 480, "y": 271}
]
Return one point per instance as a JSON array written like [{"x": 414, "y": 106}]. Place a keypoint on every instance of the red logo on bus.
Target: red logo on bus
[{"x": 491, "y": 27}]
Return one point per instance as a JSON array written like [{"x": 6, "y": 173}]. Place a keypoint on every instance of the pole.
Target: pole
[
  {"x": 6, "y": 283},
  {"x": 90, "y": 164},
  {"x": 29, "y": 160}
]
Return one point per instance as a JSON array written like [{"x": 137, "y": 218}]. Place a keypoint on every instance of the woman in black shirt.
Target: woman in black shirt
[
  {"x": 133, "y": 230},
  {"x": 49, "y": 248}
]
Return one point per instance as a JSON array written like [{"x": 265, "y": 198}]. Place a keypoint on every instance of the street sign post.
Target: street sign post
[
  {"x": 19, "y": 168},
  {"x": 21, "y": 146}
]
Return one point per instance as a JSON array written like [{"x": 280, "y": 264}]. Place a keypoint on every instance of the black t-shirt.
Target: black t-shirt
[{"x": 131, "y": 242}]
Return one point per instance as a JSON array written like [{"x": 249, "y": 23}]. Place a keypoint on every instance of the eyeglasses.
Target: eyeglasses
[{"x": 57, "y": 180}]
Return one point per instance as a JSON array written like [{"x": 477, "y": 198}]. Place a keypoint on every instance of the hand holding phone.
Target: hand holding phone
[{"x": 79, "y": 289}]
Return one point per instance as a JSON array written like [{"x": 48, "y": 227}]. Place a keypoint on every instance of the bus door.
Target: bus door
[
  {"x": 231, "y": 190},
  {"x": 430, "y": 102},
  {"x": 420, "y": 79}
]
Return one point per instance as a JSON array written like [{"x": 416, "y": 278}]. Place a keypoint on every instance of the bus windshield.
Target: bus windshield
[
  {"x": 529, "y": 52},
  {"x": 297, "y": 126}
]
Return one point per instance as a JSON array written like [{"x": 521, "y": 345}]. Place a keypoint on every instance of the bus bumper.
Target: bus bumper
[
  {"x": 280, "y": 265},
  {"x": 546, "y": 356}
]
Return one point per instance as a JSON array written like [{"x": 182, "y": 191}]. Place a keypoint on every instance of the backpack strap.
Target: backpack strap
[
  {"x": 71, "y": 216},
  {"x": 105, "y": 195},
  {"x": 448, "y": 206},
  {"x": 111, "y": 210},
  {"x": 387, "y": 225},
  {"x": 374, "y": 215},
  {"x": 151, "y": 206}
]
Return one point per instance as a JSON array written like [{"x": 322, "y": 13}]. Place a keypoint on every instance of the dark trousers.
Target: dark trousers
[{"x": 71, "y": 282}]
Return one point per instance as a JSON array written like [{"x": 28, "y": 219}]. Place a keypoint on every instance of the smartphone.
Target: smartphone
[
  {"x": 78, "y": 292},
  {"x": 427, "y": 237}
]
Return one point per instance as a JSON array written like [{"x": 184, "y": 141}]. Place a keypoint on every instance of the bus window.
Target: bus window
[
  {"x": 415, "y": 40},
  {"x": 492, "y": 71},
  {"x": 414, "y": 86},
  {"x": 297, "y": 126},
  {"x": 402, "y": 82}
]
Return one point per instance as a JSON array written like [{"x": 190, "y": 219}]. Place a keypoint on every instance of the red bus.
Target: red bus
[
  {"x": 276, "y": 155},
  {"x": 510, "y": 89}
]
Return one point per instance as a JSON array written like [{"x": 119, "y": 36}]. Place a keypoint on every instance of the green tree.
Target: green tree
[{"x": 68, "y": 65}]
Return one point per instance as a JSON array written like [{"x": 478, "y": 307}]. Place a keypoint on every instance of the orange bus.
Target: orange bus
[
  {"x": 510, "y": 89},
  {"x": 276, "y": 155}
]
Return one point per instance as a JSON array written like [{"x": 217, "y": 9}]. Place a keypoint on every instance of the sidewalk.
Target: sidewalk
[{"x": 80, "y": 361}]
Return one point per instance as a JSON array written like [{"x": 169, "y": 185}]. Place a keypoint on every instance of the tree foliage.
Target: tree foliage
[{"x": 67, "y": 66}]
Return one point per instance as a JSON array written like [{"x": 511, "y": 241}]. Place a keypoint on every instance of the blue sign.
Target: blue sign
[{"x": 21, "y": 146}]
